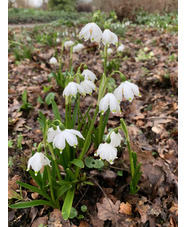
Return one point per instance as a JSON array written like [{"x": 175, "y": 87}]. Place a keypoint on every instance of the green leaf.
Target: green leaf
[
  {"x": 39, "y": 100},
  {"x": 73, "y": 213},
  {"x": 41, "y": 120},
  {"x": 55, "y": 110},
  {"x": 46, "y": 89},
  {"x": 93, "y": 163},
  {"x": 78, "y": 163},
  {"x": 74, "y": 115},
  {"x": 88, "y": 182},
  {"x": 34, "y": 189},
  {"x": 68, "y": 204},
  {"x": 10, "y": 143},
  {"x": 83, "y": 208},
  {"x": 24, "y": 97},
  {"x": 22, "y": 205},
  {"x": 63, "y": 189},
  {"x": 70, "y": 173},
  {"x": 49, "y": 98}
]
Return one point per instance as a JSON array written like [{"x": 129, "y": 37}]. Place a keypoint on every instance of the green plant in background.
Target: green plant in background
[
  {"x": 66, "y": 142},
  {"x": 144, "y": 54},
  {"x": 26, "y": 106}
]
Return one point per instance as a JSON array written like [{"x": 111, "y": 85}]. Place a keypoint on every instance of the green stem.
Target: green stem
[
  {"x": 105, "y": 59},
  {"x": 55, "y": 162},
  {"x": 124, "y": 128},
  {"x": 70, "y": 63},
  {"x": 85, "y": 148},
  {"x": 100, "y": 127}
]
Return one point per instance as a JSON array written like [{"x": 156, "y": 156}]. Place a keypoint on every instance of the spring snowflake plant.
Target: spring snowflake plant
[{"x": 57, "y": 165}]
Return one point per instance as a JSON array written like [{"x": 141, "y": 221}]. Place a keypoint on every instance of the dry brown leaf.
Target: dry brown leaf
[
  {"x": 19, "y": 124},
  {"x": 40, "y": 220},
  {"x": 125, "y": 208},
  {"x": 83, "y": 224},
  {"x": 56, "y": 219},
  {"x": 34, "y": 195},
  {"x": 108, "y": 210}
]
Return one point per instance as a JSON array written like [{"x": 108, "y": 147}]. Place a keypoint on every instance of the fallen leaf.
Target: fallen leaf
[
  {"x": 125, "y": 208},
  {"x": 40, "y": 220},
  {"x": 108, "y": 210},
  {"x": 56, "y": 219}
]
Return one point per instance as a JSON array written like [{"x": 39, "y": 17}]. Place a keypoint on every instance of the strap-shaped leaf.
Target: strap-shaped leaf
[
  {"x": 22, "y": 205},
  {"x": 63, "y": 189},
  {"x": 75, "y": 112},
  {"x": 34, "y": 189},
  {"x": 78, "y": 163},
  {"x": 55, "y": 110},
  {"x": 36, "y": 178},
  {"x": 68, "y": 204}
]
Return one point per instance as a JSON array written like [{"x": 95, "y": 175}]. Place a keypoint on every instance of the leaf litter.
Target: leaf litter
[{"x": 152, "y": 124}]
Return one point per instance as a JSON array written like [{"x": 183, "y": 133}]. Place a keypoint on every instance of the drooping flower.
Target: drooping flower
[
  {"x": 109, "y": 100},
  {"x": 116, "y": 139},
  {"x": 68, "y": 43},
  {"x": 128, "y": 90},
  {"x": 109, "y": 51},
  {"x": 109, "y": 37},
  {"x": 66, "y": 135},
  {"x": 92, "y": 31},
  {"x": 37, "y": 161},
  {"x": 107, "y": 152},
  {"x": 79, "y": 47},
  {"x": 52, "y": 133},
  {"x": 121, "y": 48},
  {"x": 88, "y": 86},
  {"x": 58, "y": 40},
  {"x": 89, "y": 75},
  {"x": 53, "y": 60},
  {"x": 72, "y": 88}
]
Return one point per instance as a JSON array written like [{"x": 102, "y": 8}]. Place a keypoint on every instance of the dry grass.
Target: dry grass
[{"x": 128, "y": 8}]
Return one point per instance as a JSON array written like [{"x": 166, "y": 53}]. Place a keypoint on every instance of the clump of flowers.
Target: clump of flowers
[{"x": 68, "y": 137}]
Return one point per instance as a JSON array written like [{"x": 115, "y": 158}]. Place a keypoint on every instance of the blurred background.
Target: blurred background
[{"x": 123, "y": 8}]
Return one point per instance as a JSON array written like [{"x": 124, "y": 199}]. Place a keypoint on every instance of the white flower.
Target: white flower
[
  {"x": 88, "y": 86},
  {"x": 121, "y": 48},
  {"x": 107, "y": 152},
  {"x": 116, "y": 139},
  {"x": 78, "y": 48},
  {"x": 37, "y": 161},
  {"x": 72, "y": 88},
  {"x": 109, "y": 100},
  {"x": 52, "y": 133},
  {"x": 109, "y": 51},
  {"x": 128, "y": 90},
  {"x": 92, "y": 31},
  {"x": 58, "y": 40},
  {"x": 68, "y": 135},
  {"x": 68, "y": 43},
  {"x": 53, "y": 60},
  {"x": 109, "y": 37},
  {"x": 89, "y": 75}
]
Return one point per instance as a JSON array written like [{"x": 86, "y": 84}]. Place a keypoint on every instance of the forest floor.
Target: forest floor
[{"x": 152, "y": 122}]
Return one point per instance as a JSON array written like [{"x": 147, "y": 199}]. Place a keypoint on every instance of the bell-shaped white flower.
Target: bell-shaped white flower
[
  {"x": 109, "y": 51},
  {"x": 53, "y": 60},
  {"x": 79, "y": 47},
  {"x": 67, "y": 135},
  {"x": 89, "y": 75},
  {"x": 88, "y": 86},
  {"x": 52, "y": 133},
  {"x": 37, "y": 161},
  {"x": 128, "y": 90},
  {"x": 68, "y": 43},
  {"x": 58, "y": 40},
  {"x": 92, "y": 31},
  {"x": 109, "y": 100},
  {"x": 115, "y": 138},
  {"x": 109, "y": 37},
  {"x": 72, "y": 88},
  {"x": 121, "y": 48},
  {"x": 107, "y": 152}
]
